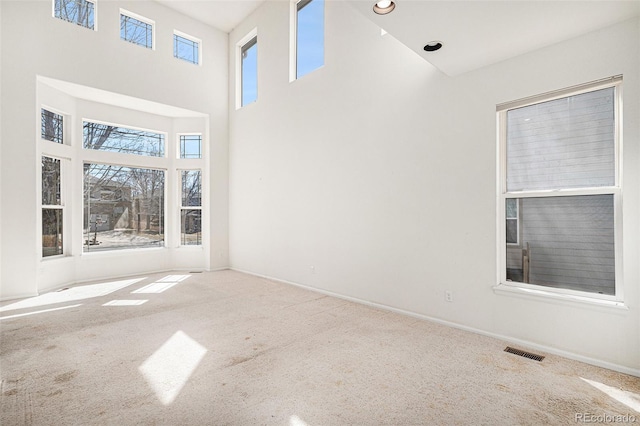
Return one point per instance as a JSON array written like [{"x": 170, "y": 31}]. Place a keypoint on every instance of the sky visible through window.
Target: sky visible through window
[
  {"x": 185, "y": 49},
  {"x": 310, "y": 37},
  {"x": 250, "y": 72}
]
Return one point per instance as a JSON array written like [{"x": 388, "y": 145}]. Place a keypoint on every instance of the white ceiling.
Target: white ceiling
[
  {"x": 474, "y": 33},
  {"x": 224, "y": 15},
  {"x": 479, "y": 32}
]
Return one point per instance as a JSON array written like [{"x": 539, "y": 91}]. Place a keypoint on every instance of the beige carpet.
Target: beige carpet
[{"x": 228, "y": 348}]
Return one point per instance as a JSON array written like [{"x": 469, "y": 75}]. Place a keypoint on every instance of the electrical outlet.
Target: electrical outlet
[
  {"x": 313, "y": 269},
  {"x": 448, "y": 296}
]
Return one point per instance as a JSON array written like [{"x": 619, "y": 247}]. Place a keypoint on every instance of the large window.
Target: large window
[
  {"x": 52, "y": 207},
  {"x": 81, "y": 12},
  {"x": 191, "y": 208},
  {"x": 123, "y": 207},
  {"x": 309, "y": 36},
  {"x": 105, "y": 137},
  {"x": 136, "y": 29},
  {"x": 560, "y": 189},
  {"x": 249, "y": 71}
]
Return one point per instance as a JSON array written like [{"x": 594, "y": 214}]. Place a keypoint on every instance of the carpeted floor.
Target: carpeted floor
[{"x": 226, "y": 348}]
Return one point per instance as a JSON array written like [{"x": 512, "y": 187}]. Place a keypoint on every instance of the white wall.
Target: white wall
[
  {"x": 374, "y": 178},
  {"x": 45, "y": 46}
]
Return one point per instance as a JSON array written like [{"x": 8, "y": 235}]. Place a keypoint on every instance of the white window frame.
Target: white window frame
[
  {"x": 134, "y": 163},
  {"x": 239, "y": 46},
  {"x": 615, "y": 190},
  {"x": 163, "y": 163},
  {"x": 192, "y": 39},
  {"x": 61, "y": 206},
  {"x": 182, "y": 207},
  {"x": 141, "y": 19},
  {"x": 179, "y": 147},
  {"x": 293, "y": 38},
  {"x": 95, "y": 15},
  {"x": 65, "y": 126}
]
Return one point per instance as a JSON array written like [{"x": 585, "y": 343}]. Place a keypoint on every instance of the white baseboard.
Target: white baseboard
[{"x": 530, "y": 345}]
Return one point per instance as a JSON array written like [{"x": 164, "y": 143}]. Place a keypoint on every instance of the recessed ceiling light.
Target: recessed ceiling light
[
  {"x": 432, "y": 46},
  {"x": 383, "y": 7}
]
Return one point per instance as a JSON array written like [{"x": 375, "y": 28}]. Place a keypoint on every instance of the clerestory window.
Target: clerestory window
[
  {"x": 309, "y": 36},
  {"x": 136, "y": 29},
  {"x": 80, "y": 12}
]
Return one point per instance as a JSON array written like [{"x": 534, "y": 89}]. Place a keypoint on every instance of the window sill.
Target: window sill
[
  {"x": 55, "y": 257},
  {"x": 126, "y": 251},
  {"x": 510, "y": 290}
]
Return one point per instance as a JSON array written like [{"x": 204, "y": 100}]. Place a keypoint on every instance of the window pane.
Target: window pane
[
  {"x": 77, "y": 11},
  {"x": 50, "y": 182},
  {"x": 104, "y": 137},
  {"x": 136, "y": 31},
  {"x": 123, "y": 207},
  {"x": 191, "y": 227},
  {"x": 567, "y": 242},
  {"x": 250, "y": 71},
  {"x": 564, "y": 143},
  {"x": 512, "y": 231},
  {"x": 190, "y": 146},
  {"x": 51, "y": 126},
  {"x": 51, "y": 232},
  {"x": 310, "y": 36},
  {"x": 191, "y": 188},
  {"x": 512, "y": 208},
  {"x": 185, "y": 49}
]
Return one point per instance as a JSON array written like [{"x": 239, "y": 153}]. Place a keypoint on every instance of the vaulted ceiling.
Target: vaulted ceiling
[{"x": 474, "y": 33}]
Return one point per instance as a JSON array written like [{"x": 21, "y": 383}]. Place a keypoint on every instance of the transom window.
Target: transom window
[
  {"x": 190, "y": 146},
  {"x": 309, "y": 36},
  {"x": 106, "y": 137},
  {"x": 560, "y": 190},
  {"x": 51, "y": 126},
  {"x": 81, "y": 12},
  {"x": 186, "y": 48},
  {"x": 136, "y": 29}
]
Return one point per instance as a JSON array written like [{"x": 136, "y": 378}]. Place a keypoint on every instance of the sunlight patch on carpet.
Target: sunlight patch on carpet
[
  {"x": 169, "y": 368},
  {"x": 71, "y": 294},
  {"x": 162, "y": 284},
  {"x": 40, "y": 312},
  {"x": 125, "y": 302},
  {"x": 630, "y": 399},
  {"x": 297, "y": 421}
]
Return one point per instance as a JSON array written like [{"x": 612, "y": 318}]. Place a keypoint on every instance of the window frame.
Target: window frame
[
  {"x": 295, "y": 7},
  {"x": 182, "y": 207},
  {"x": 144, "y": 20},
  {"x": 61, "y": 206},
  {"x": 192, "y": 39},
  {"x": 164, "y": 134},
  {"x": 120, "y": 162},
  {"x": 95, "y": 14},
  {"x": 179, "y": 137},
  {"x": 245, "y": 43},
  {"x": 615, "y": 190},
  {"x": 63, "y": 116}
]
